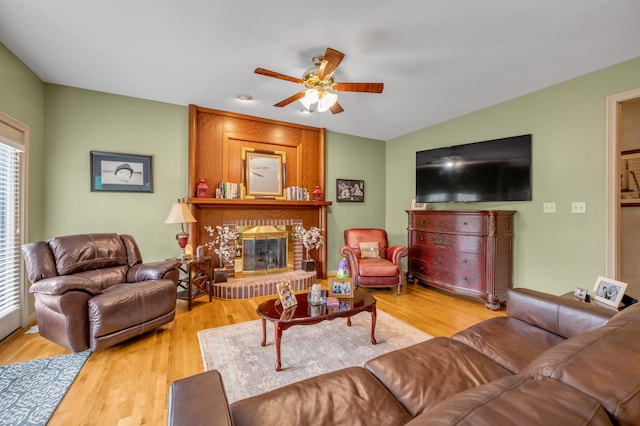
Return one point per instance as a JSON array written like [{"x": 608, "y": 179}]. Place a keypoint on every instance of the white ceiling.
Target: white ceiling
[{"x": 437, "y": 59}]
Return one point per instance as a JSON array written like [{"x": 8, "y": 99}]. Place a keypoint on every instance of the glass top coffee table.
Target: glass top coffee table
[{"x": 305, "y": 313}]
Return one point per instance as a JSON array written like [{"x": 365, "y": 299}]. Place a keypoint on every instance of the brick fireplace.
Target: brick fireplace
[{"x": 242, "y": 284}]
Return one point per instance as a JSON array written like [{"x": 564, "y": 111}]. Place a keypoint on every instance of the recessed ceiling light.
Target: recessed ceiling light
[{"x": 245, "y": 98}]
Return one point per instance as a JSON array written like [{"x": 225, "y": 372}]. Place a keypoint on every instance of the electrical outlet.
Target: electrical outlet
[
  {"x": 579, "y": 207},
  {"x": 549, "y": 207}
]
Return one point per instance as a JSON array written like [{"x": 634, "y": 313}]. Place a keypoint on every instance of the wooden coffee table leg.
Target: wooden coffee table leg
[
  {"x": 348, "y": 321},
  {"x": 374, "y": 315},
  {"x": 278, "y": 335},
  {"x": 264, "y": 333}
]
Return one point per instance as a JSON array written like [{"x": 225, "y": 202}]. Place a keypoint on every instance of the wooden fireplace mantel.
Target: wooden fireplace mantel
[
  {"x": 266, "y": 203},
  {"x": 217, "y": 140}
]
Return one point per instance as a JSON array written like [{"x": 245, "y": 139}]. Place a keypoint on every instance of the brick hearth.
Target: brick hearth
[{"x": 263, "y": 285}]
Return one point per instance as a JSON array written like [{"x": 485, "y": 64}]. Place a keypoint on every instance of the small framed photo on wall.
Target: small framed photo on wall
[{"x": 350, "y": 190}]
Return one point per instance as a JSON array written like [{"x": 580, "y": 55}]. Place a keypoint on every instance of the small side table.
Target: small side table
[{"x": 195, "y": 279}]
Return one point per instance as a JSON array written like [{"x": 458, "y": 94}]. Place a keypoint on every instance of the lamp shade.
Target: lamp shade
[{"x": 180, "y": 213}]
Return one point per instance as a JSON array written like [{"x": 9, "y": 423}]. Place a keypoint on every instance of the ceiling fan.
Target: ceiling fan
[{"x": 320, "y": 93}]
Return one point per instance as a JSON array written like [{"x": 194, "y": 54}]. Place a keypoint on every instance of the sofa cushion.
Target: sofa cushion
[
  {"x": 122, "y": 306},
  {"x": 508, "y": 341},
  {"x": 422, "y": 375},
  {"x": 350, "y": 396},
  {"x": 377, "y": 268},
  {"x": 516, "y": 400},
  {"x": 602, "y": 363},
  {"x": 187, "y": 406},
  {"x": 77, "y": 253}
]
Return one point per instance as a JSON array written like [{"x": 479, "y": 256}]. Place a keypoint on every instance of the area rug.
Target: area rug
[
  {"x": 31, "y": 391},
  {"x": 248, "y": 369}
]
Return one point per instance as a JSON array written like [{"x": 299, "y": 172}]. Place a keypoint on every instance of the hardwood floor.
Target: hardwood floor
[{"x": 128, "y": 384}]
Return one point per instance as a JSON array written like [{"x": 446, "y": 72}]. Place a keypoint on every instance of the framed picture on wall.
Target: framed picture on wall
[
  {"x": 264, "y": 173},
  {"x": 350, "y": 190},
  {"x": 113, "y": 172}
]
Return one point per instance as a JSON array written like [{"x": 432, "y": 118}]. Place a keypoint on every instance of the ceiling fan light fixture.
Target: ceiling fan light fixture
[{"x": 327, "y": 101}]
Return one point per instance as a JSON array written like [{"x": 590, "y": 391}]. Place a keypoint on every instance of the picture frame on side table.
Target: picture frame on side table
[
  {"x": 350, "y": 190},
  {"x": 114, "y": 172},
  {"x": 609, "y": 291},
  {"x": 263, "y": 174},
  {"x": 341, "y": 287}
]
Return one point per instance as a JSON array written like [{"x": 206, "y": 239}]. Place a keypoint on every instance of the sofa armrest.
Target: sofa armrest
[
  {"x": 56, "y": 286},
  {"x": 395, "y": 253},
  {"x": 153, "y": 271},
  {"x": 199, "y": 400},
  {"x": 559, "y": 315}
]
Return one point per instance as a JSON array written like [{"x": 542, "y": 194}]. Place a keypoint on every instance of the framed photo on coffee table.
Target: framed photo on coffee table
[
  {"x": 287, "y": 298},
  {"x": 341, "y": 287}
]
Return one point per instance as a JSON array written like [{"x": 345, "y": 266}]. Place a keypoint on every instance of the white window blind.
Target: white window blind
[{"x": 10, "y": 231}]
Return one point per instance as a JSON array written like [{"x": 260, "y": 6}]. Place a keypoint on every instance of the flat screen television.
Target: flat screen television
[{"x": 494, "y": 170}]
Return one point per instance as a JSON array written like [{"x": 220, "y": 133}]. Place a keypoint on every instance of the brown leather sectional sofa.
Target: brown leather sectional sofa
[{"x": 550, "y": 361}]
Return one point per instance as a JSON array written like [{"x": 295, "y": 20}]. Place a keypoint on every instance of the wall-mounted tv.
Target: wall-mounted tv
[{"x": 494, "y": 170}]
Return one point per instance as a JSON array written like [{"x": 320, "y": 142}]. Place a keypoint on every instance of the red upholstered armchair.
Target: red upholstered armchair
[{"x": 371, "y": 261}]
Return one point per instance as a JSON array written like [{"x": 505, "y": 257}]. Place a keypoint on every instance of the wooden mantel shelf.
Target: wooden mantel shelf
[{"x": 203, "y": 202}]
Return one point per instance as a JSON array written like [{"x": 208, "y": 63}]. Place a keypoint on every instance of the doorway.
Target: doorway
[
  {"x": 14, "y": 138},
  {"x": 623, "y": 223}
]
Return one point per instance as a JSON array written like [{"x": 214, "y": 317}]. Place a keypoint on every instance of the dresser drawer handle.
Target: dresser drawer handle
[
  {"x": 465, "y": 223},
  {"x": 421, "y": 238},
  {"x": 464, "y": 261},
  {"x": 423, "y": 221}
]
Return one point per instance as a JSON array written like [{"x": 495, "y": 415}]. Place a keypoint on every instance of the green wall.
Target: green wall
[
  {"x": 80, "y": 121},
  {"x": 21, "y": 97},
  {"x": 552, "y": 252},
  {"x": 352, "y": 157}
]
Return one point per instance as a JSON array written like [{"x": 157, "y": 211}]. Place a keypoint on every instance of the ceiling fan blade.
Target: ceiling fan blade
[
  {"x": 359, "y": 87},
  {"x": 274, "y": 74},
  {"x": 290, "y": 99},
  {"x": 336, "y": 108},
  {"x": 330, "y": 62}
]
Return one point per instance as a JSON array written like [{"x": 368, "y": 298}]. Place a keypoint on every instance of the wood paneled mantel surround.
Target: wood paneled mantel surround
[{"x": 216, "y": 143}]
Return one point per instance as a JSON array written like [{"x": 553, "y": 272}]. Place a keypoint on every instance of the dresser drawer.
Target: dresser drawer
[
  {"x": 447, "y": 242},
  {"x": 447, "y": 258},
  {"x": 455, "y": 243},
  {"x": 450, "y": 223},
  {"x": 468, "y": 278}
]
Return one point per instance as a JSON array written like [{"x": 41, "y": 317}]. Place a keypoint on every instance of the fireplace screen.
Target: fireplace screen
[{"x": 264, "y": 250}]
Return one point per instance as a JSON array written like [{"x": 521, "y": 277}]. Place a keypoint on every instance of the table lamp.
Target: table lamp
[{"x": 181, "y": 214}]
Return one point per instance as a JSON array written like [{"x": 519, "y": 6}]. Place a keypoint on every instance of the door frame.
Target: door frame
[
  {"x": 612, "y": 211},
  {"x": 23, "y": 132}
]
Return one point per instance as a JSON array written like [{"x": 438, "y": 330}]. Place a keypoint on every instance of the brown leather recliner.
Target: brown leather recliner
[
  {"x": 371, "y": 261},
  {"x": 93, "y": 291}
]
